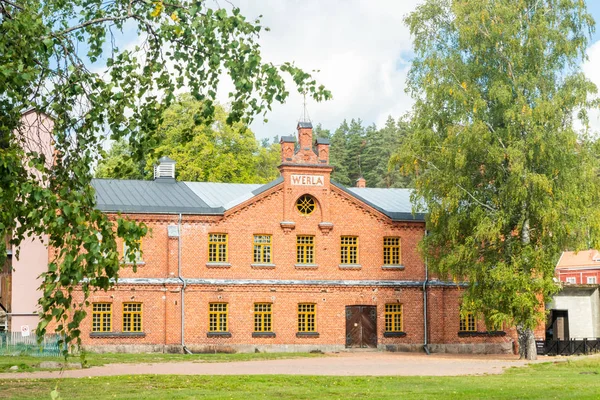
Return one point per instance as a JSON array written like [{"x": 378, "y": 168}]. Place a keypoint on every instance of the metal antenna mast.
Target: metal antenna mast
[{"x": 304, "y": 117}]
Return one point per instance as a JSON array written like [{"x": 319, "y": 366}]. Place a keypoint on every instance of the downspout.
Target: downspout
[
  {"x": 425, "y": 282},
  {"x": 184, "y": 284},
  {"x": 425, "y": 310}
]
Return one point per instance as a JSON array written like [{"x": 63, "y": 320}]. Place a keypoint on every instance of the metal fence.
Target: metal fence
[
  {"x": 15, "y": 344},
  {"x": 568, "y": 347}
]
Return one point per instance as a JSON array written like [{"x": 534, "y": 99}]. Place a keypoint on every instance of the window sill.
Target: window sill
[
  {"x": 130, "y": 264},
  {"x": 263, "y": 334},
  {"x": 393, "y": 267},
  {"x": 481, "y": 334},
  {"x": 307, "y": 266},
  {"x": 263, "y": 265},
  {"x": 394, "y": 334},
  {"x": 307, "y": 334},
  {"x": 218, "y": 334},
  {"x": 218, "y": 265},
  {"x": 350, "y": 266},
  {"x": 117, "y": 334}
]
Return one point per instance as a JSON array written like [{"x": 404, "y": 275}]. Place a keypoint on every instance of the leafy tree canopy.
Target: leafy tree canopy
[
  {"x": 215, "y": 151},
  {"x": 508, "y": 181},
  {"x": 47, "y": 50}
]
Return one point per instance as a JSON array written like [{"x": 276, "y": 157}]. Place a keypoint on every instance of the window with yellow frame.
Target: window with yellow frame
[
  {"x": 217, "y": 247},
  {"x": 349, "y": 250},
  {"x": 305, "y": 249},
  {"x": 137, "y": 255},
  {"x": 467, "y": 322},
  {"x": 101, "y": 317},
  {"x": 391, "y": 251},
  {"x": 262, "y": 248},
  {"x": 263, "y": 317},
  {"x": 217, "y": 317},
  {"x": 132, "y": 317},
  {"x": 307, "y": 317},
  {"x": 393, "y": 317}
]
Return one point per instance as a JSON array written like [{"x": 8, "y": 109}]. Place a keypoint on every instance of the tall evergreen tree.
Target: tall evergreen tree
[
  {"x": 381, "y": 145},
  {"x": 338, "y": 155},
  {"x": 507, "y": 179},
  {"x": 356, "y": 141}
]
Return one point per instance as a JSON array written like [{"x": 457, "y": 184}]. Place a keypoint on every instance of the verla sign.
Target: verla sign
[{"x": 308, "y": 180}]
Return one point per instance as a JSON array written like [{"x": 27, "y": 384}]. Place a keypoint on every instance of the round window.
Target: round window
[{"x": 305, "y": 204}]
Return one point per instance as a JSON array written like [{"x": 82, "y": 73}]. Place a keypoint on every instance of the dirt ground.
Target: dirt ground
[{"x": 340, "y": 364}]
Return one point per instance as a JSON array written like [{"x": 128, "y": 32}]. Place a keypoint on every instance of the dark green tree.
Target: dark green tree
[
  {"x": 381, "y": 145},
  {"x": 338, "y": 155}
]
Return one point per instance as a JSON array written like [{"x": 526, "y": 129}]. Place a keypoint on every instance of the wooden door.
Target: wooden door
[
  {"x": 559, "y": 325},
  {"x": 361, "y": 326}
]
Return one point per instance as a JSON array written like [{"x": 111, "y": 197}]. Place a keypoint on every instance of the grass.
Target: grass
[
  {"x": 29, "y": 363},
  {"x": 565, "y": 380}
]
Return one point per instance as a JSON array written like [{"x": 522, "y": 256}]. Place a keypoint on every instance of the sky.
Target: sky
[{"x": 362, "y": 50}]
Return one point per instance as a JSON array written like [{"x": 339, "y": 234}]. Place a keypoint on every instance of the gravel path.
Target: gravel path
[{"x": 342, "y": 364}]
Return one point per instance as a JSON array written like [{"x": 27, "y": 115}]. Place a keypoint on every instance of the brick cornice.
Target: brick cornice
[{"x": 255, "y": 199}]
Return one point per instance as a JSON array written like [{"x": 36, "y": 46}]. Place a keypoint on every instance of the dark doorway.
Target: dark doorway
[
  {"x": 361, "y": 326},
  {"x": 558, "y": 325}
]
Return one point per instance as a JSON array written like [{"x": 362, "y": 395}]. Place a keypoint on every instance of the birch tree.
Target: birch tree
[
  {"x": 499, "y": 145},
  {"x": 61, "y": 58}
]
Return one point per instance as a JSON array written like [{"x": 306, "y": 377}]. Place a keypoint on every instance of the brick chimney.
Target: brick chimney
[
  {"x": 323, "y": 150},
  {"x": 287, "y": 148},
  {"x": 305, "y": 135},
  {"x": 361, "y": 182}
]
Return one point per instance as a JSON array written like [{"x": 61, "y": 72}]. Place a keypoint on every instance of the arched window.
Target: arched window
[{"x": 306, "y": 204}]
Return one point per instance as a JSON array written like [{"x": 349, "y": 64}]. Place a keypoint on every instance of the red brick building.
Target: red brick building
[{"x": 298, "y": 264}]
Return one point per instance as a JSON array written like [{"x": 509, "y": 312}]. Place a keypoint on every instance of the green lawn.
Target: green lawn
[
  {"x": 566, "y": 380},
  {"x": 28, "y": 363}
]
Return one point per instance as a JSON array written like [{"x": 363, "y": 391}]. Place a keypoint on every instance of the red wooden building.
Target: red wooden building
[{"x": 581, "y": 267}]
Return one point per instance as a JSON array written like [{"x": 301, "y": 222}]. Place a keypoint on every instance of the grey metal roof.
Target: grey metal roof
[
  {"x": 395, "y": 203},
  {"x": 166, "y": 159},
  {"x": 287, "y": 139},
  {"x": 166, "y": 196},
  {"x": 323, "y": 141},
  {"x": 225, "y": 195},
  {"x": 304, "y": 124},
  {"x": 160, "y": 196}
]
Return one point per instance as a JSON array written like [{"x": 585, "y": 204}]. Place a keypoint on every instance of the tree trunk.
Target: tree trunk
[{"x": 527, "y": 349}]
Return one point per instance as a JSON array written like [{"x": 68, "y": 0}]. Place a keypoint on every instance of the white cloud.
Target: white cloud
[{"x": 358, "y": 46}]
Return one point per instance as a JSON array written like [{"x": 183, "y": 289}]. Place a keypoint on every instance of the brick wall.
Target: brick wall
[{"x": 274, "y": 212}]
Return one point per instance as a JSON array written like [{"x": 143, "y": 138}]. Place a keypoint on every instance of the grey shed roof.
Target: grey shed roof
[
  {"x": 160, "y": 196},
  {"x": 224, "y": 195},
  {"x": 395, "y": 203},
  {"x": 228, "y": 195}
]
